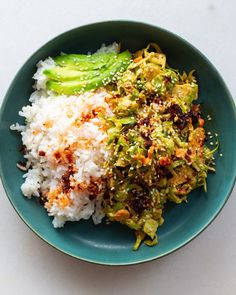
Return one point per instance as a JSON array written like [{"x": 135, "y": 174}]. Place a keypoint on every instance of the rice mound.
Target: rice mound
[{"x": 66, "y": 151}]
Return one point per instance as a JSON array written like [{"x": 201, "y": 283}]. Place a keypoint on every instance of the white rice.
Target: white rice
[
  {"x": 66, "y": 150},
  {"x": 39, "y": 77}
]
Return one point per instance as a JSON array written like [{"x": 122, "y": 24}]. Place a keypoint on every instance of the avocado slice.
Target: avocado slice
[
  {"x": 106, "y": 75},
  {"x": 84, "y": 62},
  {"x": 67, "y": 74}
]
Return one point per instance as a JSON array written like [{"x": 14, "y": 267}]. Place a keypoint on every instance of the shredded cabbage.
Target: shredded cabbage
[{"x": 157, "y": 142}]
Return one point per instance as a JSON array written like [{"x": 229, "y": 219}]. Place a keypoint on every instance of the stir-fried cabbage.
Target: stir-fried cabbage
[{"x": 157, "y": 142}]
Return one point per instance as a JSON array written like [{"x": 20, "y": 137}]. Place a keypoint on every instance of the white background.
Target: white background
[{"x": 29, "y": 266}]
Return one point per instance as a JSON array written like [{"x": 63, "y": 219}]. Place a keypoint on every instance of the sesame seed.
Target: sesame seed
[{"x": 209, "y": 118}]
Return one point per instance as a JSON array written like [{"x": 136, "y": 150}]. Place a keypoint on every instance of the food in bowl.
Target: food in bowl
[{"x": 114, "y": 135}]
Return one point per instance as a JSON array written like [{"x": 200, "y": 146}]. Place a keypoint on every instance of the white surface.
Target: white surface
[{"x": 29, "y": 266}]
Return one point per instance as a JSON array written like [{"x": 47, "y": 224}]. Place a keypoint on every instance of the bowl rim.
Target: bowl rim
[{"x": 180, "y": 245}]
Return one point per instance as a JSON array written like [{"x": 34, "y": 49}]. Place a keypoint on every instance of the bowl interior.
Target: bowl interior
[{"x": 112, "y": 244}]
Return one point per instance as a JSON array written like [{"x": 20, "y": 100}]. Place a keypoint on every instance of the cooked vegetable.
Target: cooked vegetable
[{"x": 156, "y": 138}]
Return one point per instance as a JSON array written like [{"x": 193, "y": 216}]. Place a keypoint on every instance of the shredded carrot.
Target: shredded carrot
[
  {"x": 150, "y": 152},
  {"x": 122, "y": 214},
  {"x": 164, "y": 161},
  {"x": 180, "y": 152},
  {"x": 201, "y": 122},
  {"x": 136, "y": 157},
  {"x": 143, "y": 160},
  {"x": 138, "y": 59}
]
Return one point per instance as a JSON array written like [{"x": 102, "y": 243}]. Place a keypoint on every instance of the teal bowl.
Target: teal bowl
[{"x": 111, "y": 244}]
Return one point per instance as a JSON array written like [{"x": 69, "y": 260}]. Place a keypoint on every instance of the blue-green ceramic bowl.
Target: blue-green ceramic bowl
[{"x": 112, "y": 244}]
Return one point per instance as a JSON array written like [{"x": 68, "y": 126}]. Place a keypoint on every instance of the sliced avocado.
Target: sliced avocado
[
  {"x": 84, "y": 62},
  {"x": 106, "y": 75},
  {"x": 67, "y": 74}
]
